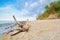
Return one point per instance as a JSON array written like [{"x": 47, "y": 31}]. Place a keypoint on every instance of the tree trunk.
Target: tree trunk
[{"x": 16, "y": 20}]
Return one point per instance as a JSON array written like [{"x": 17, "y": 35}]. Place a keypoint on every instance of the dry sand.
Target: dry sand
[{"x": 39, "y": 30}]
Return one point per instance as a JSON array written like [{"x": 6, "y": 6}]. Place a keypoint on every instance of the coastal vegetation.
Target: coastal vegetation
[{"x": 52, "y": 9}]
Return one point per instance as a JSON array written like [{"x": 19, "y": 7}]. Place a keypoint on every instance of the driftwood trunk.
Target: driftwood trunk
[
  {"x": 25, "y": 27},
  {"x": 16, "y": 21}
]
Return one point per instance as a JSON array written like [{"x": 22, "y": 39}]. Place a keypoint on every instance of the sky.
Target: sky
[{"x": 22, "y": 9}]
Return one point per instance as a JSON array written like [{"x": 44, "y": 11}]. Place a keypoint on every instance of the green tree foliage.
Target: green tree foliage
[{"x": 53, "y": 8}]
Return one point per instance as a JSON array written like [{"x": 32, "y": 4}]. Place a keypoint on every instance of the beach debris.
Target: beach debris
[
  {"x": 17, "y": 21},
  {"x": 22, "y": 27}
]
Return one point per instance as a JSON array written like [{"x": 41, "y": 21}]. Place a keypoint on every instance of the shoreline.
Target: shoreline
[{"x": 39, "y": 30}]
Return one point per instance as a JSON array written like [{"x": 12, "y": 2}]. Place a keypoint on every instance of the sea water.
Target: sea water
[{"x": 5, "y": 26}]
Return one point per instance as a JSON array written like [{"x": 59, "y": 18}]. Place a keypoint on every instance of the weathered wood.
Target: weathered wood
[
  {"x": 24, "y": 27},
  {"x": 17, "y": 22}
]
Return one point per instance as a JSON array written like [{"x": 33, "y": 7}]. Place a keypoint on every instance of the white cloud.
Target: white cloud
[
  {"x": 53, "y": 0},
  {"x": 33, "y": 4},
  {"x": 8, "y": 11},
  {"x": 42, "y": 1},
  {"x": 26, "y": 4}
]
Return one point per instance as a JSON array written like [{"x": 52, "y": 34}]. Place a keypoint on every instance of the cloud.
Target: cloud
[
  {"x": 26, "y": 4},
  {"x": 53, "y": 0},
  {"x": 23, "y": 11},
  {"x": 7, "y": 12},
  {"x": 33, "y": 4},
  {"x": 42, "y": 1}
]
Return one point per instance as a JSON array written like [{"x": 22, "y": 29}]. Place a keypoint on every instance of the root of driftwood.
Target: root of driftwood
[{"x": 19, "y": 31}]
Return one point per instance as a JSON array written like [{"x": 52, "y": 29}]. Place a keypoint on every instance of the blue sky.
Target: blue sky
[{"x": 22, "y": 9}]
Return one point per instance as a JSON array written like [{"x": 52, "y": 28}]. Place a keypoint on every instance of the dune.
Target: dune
[{"x": 39, "y": 30}]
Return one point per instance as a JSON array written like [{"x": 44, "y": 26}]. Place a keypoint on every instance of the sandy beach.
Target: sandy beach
[{"x": 39, "y": 30}]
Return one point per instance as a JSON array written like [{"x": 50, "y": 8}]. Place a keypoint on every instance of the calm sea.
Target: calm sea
[{"x": 5, "y": 26}]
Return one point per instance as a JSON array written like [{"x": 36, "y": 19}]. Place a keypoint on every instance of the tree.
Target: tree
[{"x": 53, "y": 8}]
